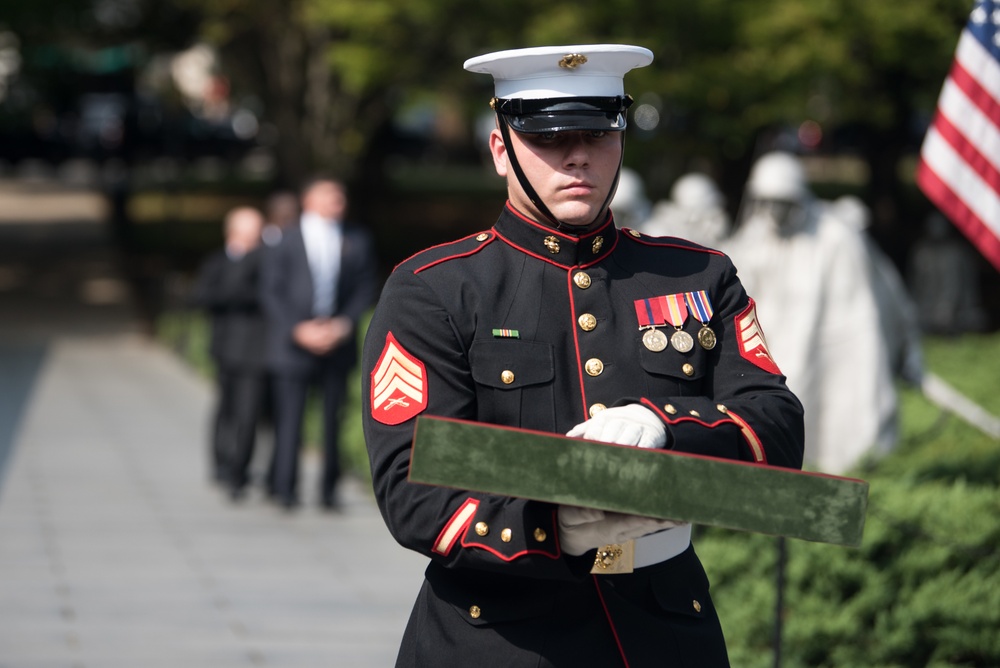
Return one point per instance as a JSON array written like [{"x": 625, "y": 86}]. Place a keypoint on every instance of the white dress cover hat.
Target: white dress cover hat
[{"x": 554, "y": 88}]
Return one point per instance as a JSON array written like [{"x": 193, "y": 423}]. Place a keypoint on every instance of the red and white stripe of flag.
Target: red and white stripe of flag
[{"x": 959, "y": 168}]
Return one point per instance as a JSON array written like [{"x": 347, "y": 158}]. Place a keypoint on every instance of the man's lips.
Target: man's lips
[{"x": 578, "y": 188}]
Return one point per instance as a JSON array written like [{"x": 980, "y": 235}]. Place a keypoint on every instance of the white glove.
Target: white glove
[
  {"x": 582, "y": 529},
  {"x": 624, "y": 425}
]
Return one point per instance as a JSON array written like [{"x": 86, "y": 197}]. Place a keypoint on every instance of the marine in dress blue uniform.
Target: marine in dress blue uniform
[{"x": 544, "y": 325}]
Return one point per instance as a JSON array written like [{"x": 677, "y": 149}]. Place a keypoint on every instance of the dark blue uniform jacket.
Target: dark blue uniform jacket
[{"x": 569, "y": 343}]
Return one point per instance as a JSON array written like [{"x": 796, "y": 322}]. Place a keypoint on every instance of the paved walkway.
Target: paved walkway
[{"x": 114, "y": 548}]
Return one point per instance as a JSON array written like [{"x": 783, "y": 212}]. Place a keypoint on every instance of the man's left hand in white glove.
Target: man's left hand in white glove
[
  {"x": 582, "y": 529},
  {"x": 624, "y": 425}
]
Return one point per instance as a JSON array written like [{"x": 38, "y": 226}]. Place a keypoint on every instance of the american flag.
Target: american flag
[{"x": 959, "y": 168}]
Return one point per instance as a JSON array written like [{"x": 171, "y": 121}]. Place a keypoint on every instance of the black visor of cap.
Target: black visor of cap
[{"x": 564, "y": 114}]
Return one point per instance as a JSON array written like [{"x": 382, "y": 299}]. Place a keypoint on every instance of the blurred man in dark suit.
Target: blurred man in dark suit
[
  {"x": 317, "y": 283},
  {"x": 228, "y": 288},
  {"x": 281, "y": 211}
]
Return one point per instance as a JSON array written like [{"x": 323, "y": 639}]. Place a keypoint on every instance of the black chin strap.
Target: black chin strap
[{"x": 529, "y": 190}]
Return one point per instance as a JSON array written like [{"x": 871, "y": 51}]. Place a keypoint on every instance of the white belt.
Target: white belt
[
  {"x": 641, "y": 552},
  {"x": 657, "y": 547}
]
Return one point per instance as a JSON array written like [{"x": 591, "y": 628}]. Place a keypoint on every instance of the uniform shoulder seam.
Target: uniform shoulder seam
[
  {"x": 450, "y": 250},
  {"x": 668, "y": 242}
]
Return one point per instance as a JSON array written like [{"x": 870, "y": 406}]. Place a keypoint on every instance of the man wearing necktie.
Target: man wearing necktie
[{"x": 317, "y": 283}]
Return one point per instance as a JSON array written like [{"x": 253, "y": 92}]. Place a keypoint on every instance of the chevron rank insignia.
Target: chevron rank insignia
[
  {"x": 753, "y": 347},
  {"x": 399, "y": 384}
]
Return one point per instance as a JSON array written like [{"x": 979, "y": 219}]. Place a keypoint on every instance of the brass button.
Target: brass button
[
  {"x": 482, "y": 236},
  {"x": 582, "y": 280},
  {"x": 594, "y": 367},
  {"x": 475, "y": 612},
  {"x": 669, "y": 408},
  {"x": 505, "y": 535},
  {"x": 482, "y": 528},
  {"x": 552, "y": 243},
  {"x": 695, "y": 413},
  {"x": 688, "y": 370},
  {"x": 587, "y": 322},
  {"x": 696, "y": 605},
  {"x": 634, "y": 234},
  {"x": 597, "y": 408},
  {"x": 597, "y": 245},
  {"x": 722, "y": 408},
  {"x": 540, "y": 535},
  {"x": 507, "y": 376}
]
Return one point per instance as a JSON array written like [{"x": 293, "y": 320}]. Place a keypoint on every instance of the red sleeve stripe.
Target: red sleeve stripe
[{"x": 458, "y": 523}]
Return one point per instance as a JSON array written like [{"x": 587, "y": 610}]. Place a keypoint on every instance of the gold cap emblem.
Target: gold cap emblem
[{"x": 571, "y": 61}]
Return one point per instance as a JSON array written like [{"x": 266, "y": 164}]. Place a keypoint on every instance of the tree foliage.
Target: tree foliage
[{"x": 330, "y": 74}]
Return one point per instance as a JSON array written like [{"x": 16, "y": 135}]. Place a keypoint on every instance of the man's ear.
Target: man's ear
[{"x": 499, "y": 152}]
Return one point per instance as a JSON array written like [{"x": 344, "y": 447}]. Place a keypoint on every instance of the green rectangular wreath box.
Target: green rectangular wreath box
[{"x": 653, "y": 483}]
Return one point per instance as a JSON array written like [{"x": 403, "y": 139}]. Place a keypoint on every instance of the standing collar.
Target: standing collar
[{"x": 555, "y": 246}]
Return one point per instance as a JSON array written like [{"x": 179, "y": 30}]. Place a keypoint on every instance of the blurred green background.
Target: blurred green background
[{"x": 178, "y": 109}]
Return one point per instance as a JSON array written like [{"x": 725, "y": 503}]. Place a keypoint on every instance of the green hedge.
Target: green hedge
[{"x": 924, "y": 587}]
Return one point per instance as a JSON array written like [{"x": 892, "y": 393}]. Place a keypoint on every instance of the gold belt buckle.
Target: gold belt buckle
[{"x": 615, "y": 559}]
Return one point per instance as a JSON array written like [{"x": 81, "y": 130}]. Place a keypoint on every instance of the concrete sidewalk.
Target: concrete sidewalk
[{"x": 116, "y": 551}]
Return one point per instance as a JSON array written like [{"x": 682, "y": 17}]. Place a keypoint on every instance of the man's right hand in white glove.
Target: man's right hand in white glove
[{"x": 583, "y": 529}]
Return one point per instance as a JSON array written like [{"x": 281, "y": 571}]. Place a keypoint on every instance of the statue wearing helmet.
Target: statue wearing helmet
[
  {"x": 695, "y": 211},
  {"x": 814, "y": 283}
]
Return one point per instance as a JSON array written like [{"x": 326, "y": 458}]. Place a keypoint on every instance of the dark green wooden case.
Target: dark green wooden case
[{"x": 653, "y": 483}]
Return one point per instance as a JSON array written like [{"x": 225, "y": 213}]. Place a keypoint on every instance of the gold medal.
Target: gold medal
[
  {"x": 681, "y": 341},
  {"x": 706, "y": 337},
  {"x": 654, "y": 340}
]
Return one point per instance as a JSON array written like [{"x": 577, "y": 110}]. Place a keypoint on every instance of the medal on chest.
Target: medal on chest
[
  {"x": 676, "y": 313},
  {"x": 650, "y": 315},
  {"x": 701, "y": 309},
  {"x": 673, "y": 310},
  {"x": 658, "y": 311}
]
